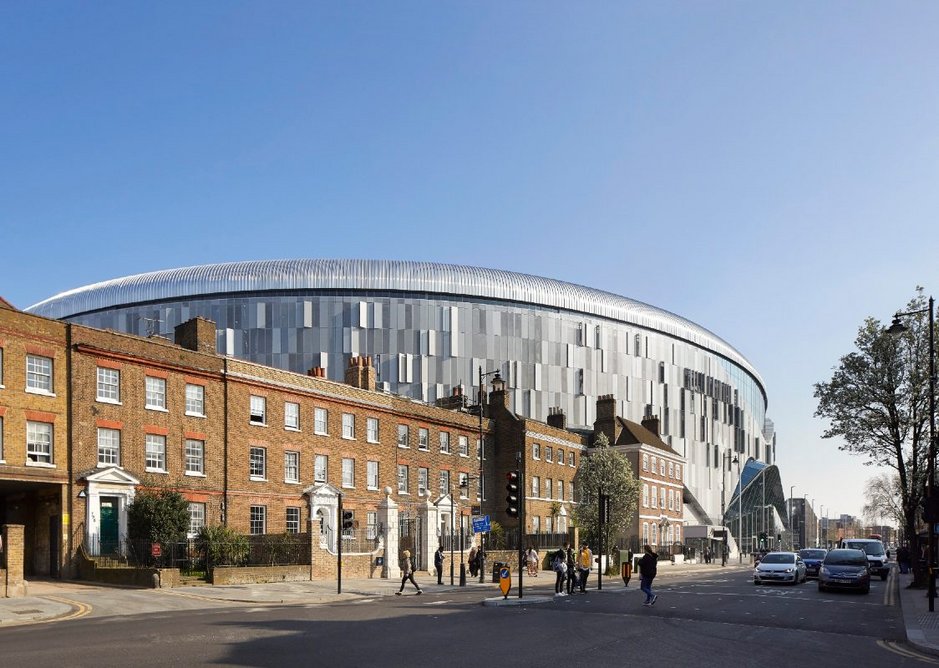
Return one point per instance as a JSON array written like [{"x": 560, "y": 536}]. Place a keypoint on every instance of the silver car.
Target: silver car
[{"x": 780, "y": 567}]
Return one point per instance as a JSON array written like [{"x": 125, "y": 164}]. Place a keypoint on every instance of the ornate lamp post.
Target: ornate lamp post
[{"x": 897, "y": 327}]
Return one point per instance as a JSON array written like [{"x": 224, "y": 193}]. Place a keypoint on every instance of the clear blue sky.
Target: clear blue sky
[{"x": 768, "y": 170}]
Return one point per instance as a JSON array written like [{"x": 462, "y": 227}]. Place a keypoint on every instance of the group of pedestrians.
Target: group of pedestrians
[{"x": 571, "y": 570}]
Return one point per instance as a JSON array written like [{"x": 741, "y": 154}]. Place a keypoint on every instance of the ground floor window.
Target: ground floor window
[
  {"x": 196, "y": 518},
  {"x": 258, "y": 520}
]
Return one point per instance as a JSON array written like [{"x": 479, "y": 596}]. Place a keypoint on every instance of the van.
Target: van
[{"x": 876, "y": 554}]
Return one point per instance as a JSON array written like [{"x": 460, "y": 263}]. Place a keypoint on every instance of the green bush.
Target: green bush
[
  {"x": 221, "y": 546},
  {"x": 161, "y": 517}
]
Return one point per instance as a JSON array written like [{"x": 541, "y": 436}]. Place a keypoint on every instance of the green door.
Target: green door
[{"x": 109, "y": 525}]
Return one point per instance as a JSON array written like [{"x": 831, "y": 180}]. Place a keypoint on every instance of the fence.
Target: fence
[{"x": 508, "y": 540}]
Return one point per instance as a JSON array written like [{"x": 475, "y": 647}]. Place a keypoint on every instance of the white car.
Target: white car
[{"x": 780, "y": 567}]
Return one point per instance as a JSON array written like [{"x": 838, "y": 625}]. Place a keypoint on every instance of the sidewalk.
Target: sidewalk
[{"x": 922, "y": 626}]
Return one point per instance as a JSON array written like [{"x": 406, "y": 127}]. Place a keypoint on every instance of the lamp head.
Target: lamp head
[
  {"x": 897, "y": 327},
  {"x": 497, "y": 383}
]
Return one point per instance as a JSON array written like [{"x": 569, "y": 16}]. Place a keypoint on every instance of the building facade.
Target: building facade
[{"x": 431, "y": 329}]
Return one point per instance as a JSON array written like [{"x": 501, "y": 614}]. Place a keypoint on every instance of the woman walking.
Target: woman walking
[
  {"x": 407, "y": 573},
  {"x": 532, "y": 561},
  {"x": 647, "y": 569}
]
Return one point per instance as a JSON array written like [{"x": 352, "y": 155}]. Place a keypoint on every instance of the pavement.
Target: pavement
[{"x": 57, "y": 600}]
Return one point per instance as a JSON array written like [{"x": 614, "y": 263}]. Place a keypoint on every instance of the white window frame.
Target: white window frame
[
  {"x": 40, "y": 374},
  {"x": 423, "y": 477},
  {"x": 549, "y": 454},
  {"x": 645, "y": 495},
  {"x": 320, "y": 468},
  {"x": 536, "y": 451},
  {"x": 292, "y": 524},
  {"x": 536, "y": 487},
  {"x": 677, "y": 471},
  {"x": 463, "y": 442},
  {"x": 560, "y": 493},
  {"x": 40, "y": 442},
  {"x": 423, "y": 438},
  {"x": 444, "y": 438},
  {"x": 371, "y": 524},
  {"x": 109, "y": 447},
  {"x": 653, "y": 497},
  {"x": 109, "y": 385},
  {"x": 155, "y": 453},
  {"x": 291, "y": 416},
  {"x": 155, "y": 391},
  {"x": 195, "y": 457},
  {"x": 404, "y": 436},
  {"x": 196, "y": 518},
  {"x": 257, "y": 463},
  {"x": 443, "y": 481},
  {"x": 348, "y": 426},
  {"x": 195, "y": 400},
  {"x": 257, "y": 410},
  {"x": 291, "y": 466},
  {"x": 371, "y": 475},
  {"x": 372, "y": 430},
  {"x": 403, "y": 479},
  {"x": 321, "y": 421},
  {"x": 2, "y": 460},
  {"x": 463, "y": 484},
  {"x": 348, "y": 472},
  {"x": 548, "y": 487},
  {"x": 570, "y": 458},
  {"x": 257, "y": 520}
]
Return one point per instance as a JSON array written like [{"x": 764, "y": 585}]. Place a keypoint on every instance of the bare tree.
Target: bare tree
[{"x": 883, "y": 499}]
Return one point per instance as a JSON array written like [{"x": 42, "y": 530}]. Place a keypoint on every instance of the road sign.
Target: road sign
[
  {"x": 481, "y": 524},
  {"x": 156, "y": 550},
  {"x": 505, "y": 581},
  {"x": 477, "y": 510}
]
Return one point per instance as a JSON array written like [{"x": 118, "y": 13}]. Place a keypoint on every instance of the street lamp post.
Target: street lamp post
[
  {"x": 739, "y": 511},
  {"x": 897, "y": 327},
  {"x": 792, "y": 533},
  {"x": 497, "y": 383}
]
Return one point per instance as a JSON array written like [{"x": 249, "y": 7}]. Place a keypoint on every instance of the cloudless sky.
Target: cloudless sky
[{"x": 767, "y": 170}]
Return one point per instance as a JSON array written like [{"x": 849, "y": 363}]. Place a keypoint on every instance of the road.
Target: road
[{"x": 698, "y": 620}]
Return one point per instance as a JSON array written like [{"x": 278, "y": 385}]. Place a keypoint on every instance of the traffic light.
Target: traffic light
[
  {"x": 348, "y": 519},
  {"x": 511, "y": 498}
]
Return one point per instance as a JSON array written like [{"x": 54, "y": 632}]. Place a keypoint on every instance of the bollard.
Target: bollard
[{"x": 462, "y": 575}]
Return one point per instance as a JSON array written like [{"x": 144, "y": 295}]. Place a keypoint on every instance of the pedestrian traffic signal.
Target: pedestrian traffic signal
[
  {"x": 511, "y": 499},
  {"x": 348, "y": 519}
]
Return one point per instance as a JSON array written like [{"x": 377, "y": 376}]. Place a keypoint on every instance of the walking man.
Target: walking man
[
  {"x": 584, "y": 562},
  {"x": 407, "y": 573},
  {"x": 647, "y": 570},
  {"x": 438, "y": 563}
]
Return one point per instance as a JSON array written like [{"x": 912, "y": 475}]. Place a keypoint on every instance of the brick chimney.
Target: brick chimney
[
  {"x": 360, "y": 373},
  {"x": 557, "y": 418},
  {"x": 652, "y": 424},
  {"x": 606, "y": 417},
  {"x": 197, "y": 334},
  {"x": 317, "y": 372}
]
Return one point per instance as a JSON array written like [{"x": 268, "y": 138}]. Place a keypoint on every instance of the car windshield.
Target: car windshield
[
  {"x": 812, "y": 554},
  {"x": 778, "y": 559},
  {"x": 845, "y": 558},
  {"x": 874, "y": 548}
]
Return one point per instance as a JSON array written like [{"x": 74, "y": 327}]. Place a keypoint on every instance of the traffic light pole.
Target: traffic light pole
[{"x": 339, "y": 549}]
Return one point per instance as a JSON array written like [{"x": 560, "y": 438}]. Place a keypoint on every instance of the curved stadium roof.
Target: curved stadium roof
[{"x": 376, "y": 276}]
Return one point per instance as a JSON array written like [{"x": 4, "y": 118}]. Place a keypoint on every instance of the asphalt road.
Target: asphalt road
[{"x": 698, "y": 620}]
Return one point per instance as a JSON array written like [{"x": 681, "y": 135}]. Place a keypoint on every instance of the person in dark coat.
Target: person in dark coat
[
  {"x": 571, "y": 569},
  {"x": 438, "y": 564},
  {"x": 647, "y": 570}
]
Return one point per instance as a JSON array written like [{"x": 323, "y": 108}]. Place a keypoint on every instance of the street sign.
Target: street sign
[
  {"x": 505, "y": 581},
  {"x": 481, "y": 524},
  {"x": 477, "y": 510},
  {"x": 156, "y": 550}
]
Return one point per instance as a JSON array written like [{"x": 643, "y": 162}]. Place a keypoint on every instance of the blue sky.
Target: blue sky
[{"x": 767, "y": 170}]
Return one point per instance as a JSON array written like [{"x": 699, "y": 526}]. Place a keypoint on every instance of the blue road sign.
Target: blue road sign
[{"x": 481, "y": 524}]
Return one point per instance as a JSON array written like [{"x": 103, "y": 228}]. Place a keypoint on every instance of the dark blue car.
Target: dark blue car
[{"x": 813, "y": 558}]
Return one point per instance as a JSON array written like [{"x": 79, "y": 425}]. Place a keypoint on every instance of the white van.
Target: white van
[{"x": 876, "y": 555}]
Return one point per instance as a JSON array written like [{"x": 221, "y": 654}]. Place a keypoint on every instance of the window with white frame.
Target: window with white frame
[
  {"x": 258, "y": 411},
  {"x": 155, "y": 393},
  {"x": 423, "y": 438},
  {"x": 403, "y": 436},
  {"x": 402, "y": 479},
  {"x": 292, "y": 519},
  {"x": 1, "y": 436},
  {"x": 38, "y": 443},
  {"x": 257, "y": 525},
  {"x": 479, "y": 450},
  {"x": 653, "y": 497},
  {"x": 570, "y": 459},
  {"x": 535, "y": 486},
  {"x": 662, "y": 498},
  {"x": 570, "y": 491},
  {"x": 645, "y": 532},
  {"x": 195, "y": 400},
  {"x": 654, "y": 464},
  {"x": 109, "y": 385},
  {"x": 320, "y": 421},
  {"x": 156, "y": 453},
  {"x": 671, "y": 500},
  {"x": 423, "y": 475},
  {"x": 195, "y": 457},
  {"x": 560, "y": 490},
  {"x": 292, "y": 416},
  {"x": 645, "y": 496},
  {"x": 109, "y": 447},
  {"x": 371, "y": 430},
  {"x": 548, "y": 524},
  {"x": 671, "y": 470},
  {"x": 560, "y": 457},
  {"x": 444, "y": 482},
  {"x": 348, "y": 472},
  {"x": 445, "y": 442},
  {"x": 258, "y": 464},
  {"x": 320, "y": 464},
  {"x": 39, "y": 374},
  {"x": 548, "y": 487},
  {"x": 371, "y": 524},
  {"x": 535, "y": 524},
  {"x": 655, "y": 534},
  {"x": 371, "y": 475},
  {"x": 464, "y": 446},
  {"x": 1, "y": 366},
  {"x": 536, "y": 450},
  {"x": 196, "y": 519},
  {"x": 464, "y": 485},
  {"x": 291, "y": 466},
  {"x": 662, "y": 467},
  {"x": 549, "y": 454},
  {"x": 348, "y": 425},
  {"x": 678, "y": 471},
  {"x": 645, "y": 462}
]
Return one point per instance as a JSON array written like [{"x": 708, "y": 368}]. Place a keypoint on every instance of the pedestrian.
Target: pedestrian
[
  {"x": 407, "y": 573},
  {"x": 647, "y": 570},
  {"x": 473, "y": 565},
  {"x": 438, "y": 563},
  {"x": 532, "y": 561},
  {"x": 559, "y": 565},
  {"x": 584, "y": 562},
  {"x": 571, "y": 570}
]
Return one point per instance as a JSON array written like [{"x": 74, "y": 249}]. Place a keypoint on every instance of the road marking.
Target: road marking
[
  {"x": 896, "y": 648},
  {"x": 437, "y": 602},
  {"x": 890, "y": 586},
  {"x": 81, "y": 610}
]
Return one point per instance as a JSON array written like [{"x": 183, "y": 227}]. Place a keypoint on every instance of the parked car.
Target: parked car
[
  {"x": 876, "y": 554},
  {"x": 845, "y": 569},
  {"x": 780, "y": 567},
  {"x": 813, "y": 558}
]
